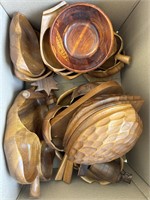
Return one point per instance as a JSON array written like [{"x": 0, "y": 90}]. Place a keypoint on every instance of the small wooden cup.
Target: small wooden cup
[{"x": 81, "y": 37}]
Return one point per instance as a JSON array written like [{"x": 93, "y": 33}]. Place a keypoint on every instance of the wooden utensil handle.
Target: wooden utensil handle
[
  {"x": 30, "y": 94},
  {"x": 123, "y": 58},
  {"x": 65, "y": 170},
  {"x": 35, "y": 188},
  {"x": 60, "y": 173},
  {"x": 68, "y": 171}
]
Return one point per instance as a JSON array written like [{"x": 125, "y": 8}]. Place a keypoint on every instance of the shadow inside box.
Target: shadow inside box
[{"x": 80, "y": 190}]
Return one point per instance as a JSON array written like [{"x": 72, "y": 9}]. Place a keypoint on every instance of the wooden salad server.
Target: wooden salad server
[
  {"x": 106, "y": 173},
  {"x": 25, "y": 154},
  {"x": 46, "y": 52},
  {"x": 24, "y": 47},
  {"x": 102, "y": 137}
]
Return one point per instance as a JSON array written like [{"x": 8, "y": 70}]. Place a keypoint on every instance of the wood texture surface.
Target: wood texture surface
[
  {"x": 102, "y": 129},
  {"x": 24, "y": 47},
  {"x": 53, "y": 139},
  {"x": 110, "y": 132},
  {"x": 64, "y": 116},
  {"x": 94, "y": 105},
  {"x": 47, "y": 55},
  {"x": 81, "y": 37},
  {"x": 26, "y": 78},
  {"x": 115, "y": 62},
  {"x": 106, "y": 173},
  {"x": 25, "y": 154}
]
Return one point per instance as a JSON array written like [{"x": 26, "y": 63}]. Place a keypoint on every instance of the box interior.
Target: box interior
[{"x": 131, "y": 19}]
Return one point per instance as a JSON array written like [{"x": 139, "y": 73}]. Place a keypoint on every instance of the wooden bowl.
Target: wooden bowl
[
  {"x": 25, "y": 48},
  {"x": 81, "y": 37},
  {"x": 46, "y": 53}
]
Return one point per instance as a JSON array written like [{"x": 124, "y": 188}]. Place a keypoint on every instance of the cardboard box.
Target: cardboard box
[{"x": 132, "y": 19}]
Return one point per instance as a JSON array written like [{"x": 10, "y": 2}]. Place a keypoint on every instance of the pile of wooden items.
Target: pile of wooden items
[{"x": 90, "y": 127}]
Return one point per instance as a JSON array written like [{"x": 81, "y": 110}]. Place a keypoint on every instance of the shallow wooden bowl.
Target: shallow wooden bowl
[
  {"x": 82, "y": 37},
  {"x": 24, "y": 48},
  {"x": 46, "y": 53}
]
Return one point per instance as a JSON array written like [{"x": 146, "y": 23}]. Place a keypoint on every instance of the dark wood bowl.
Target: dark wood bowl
[{"x": 82, "y": 37}]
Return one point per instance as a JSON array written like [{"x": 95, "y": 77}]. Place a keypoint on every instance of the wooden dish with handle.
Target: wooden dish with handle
[{"x": 115, "y": 63}]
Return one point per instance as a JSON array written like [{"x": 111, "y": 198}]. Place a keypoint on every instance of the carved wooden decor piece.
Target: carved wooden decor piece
[
  {"x": 100, "y": 134},
  {"x": 89, "y": 127},
  {"x": 28, "y": 157},
  {"x": 25, "y": 49},
  {"x": 65, "y": 115}
]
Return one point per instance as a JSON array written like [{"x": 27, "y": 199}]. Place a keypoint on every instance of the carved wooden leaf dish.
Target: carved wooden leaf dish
[
  {"x": 24, "y": 47},
  {"x": 104, "y": 136}
]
